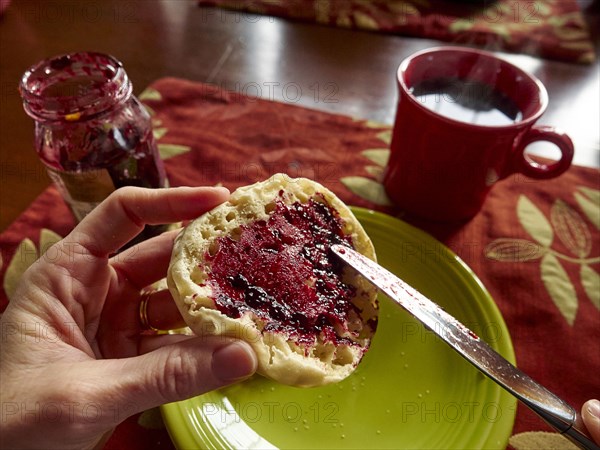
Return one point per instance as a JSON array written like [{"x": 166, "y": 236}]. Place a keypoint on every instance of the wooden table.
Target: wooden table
[{"x": 331, "y": 69}]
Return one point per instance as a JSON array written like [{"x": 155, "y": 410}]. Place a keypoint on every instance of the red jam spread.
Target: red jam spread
[{"x": 284, "y": 272}]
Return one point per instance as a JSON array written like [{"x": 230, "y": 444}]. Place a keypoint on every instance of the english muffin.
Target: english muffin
[{"x": 259, "y": 268}]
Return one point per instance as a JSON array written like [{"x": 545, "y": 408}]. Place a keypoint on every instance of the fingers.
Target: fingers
[
  {"x": 124, "y": 213},
  {"x": 147, "y": 262},
  {"x": 123, "y": 321},
  {"x": 162, "y": 312},
  {"x": 150, "y": 343},
  {"x": 591, "y": 418},
  {"x": 179, "y": 371}
]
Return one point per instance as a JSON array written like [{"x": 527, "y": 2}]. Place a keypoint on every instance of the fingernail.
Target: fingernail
[
  {"x": 234, "y": 361},
  {"x": 594, "y": 408},
  {"x": 223, "y": 189}
]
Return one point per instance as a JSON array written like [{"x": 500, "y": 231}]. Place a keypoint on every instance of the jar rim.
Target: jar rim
[{"x": 74, "y": 86}]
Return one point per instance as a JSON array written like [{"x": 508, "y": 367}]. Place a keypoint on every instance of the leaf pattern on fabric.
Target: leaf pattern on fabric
[
  {"x": 534, "y": 221},
  {"x": 571, "y": 229},
  {"x": 371, "y": 189},
  {"x": 376, "y": 172},
  {"x": 592, "y": 194},
  {"x": 588, "y": 200},
  {"x": 379, "y": 156},
  {"x": 461, "y": 25},
  {"x": 404, "y": 8},
  {"x": 532, "y": 440},
  {"x": 559, "y": 286},
  {"x": 150, "y": 111},
  {"x": 373, "y": 124},
  {"x": 25, "y": 255},
  {"x": 151, "y": 419},
  {"x": 590, "y": 279},
  {"x": 569, "y": 34},
  {"x": 501, "y": 30},
  {"x": 546, "y": 28},
  {"x": 365, "y": 21},
  {"x": 150, "y": 94},
  {"x": 575, "y": 46},
  {"x": 47, "y": 239},
  {"x": 167, "y": 151},
  {"x": 322, "y": 11},
  {"x": 343, "y": 21},
  {"x": 159, "y": 132},
  {"x": 514, "y": 250},
  {"x": 367, "y": 189},
  {"x": 385, "y": 136}
]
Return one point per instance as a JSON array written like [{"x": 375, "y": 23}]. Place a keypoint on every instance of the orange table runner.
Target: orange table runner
[
  {"x": 545, "y": 28},
  {"x": 535, "y": 245}
]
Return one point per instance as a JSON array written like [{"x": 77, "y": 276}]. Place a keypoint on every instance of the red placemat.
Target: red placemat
[
  {"x": 535, "y": 245},
  {"x": 545, "y": 28}
]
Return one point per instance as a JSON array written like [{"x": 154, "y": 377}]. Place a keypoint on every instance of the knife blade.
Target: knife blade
[{"x": 555, "y": 411}]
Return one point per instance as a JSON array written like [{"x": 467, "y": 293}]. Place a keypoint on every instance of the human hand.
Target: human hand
[
  {"x": 74, "y": 359},
  {"x": 590, "y": 413}
]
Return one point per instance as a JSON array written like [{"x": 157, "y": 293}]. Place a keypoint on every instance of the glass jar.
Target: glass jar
[{"x": 91, "y": 133}]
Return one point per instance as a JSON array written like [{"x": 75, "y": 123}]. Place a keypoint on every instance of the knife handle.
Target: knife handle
[
  {"x": 579, "y": 436},
  {"x": 572, "y": 428},
  {"x": 557, "y": 413}
]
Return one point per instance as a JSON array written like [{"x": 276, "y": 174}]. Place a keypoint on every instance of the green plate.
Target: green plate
[{"x": 410, "y": 391}]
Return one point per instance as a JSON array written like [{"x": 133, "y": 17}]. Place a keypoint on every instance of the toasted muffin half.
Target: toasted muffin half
[{"x": 259, "y": 268}]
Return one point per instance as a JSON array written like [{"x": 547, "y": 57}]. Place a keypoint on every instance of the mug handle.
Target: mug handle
[{"x": 533, "y": 169}]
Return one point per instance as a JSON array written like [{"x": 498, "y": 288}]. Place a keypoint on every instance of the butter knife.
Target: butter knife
[{"x": 556, "y": 412}]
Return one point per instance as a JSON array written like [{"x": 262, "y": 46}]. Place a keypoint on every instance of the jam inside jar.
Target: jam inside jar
[{"x": 91, "y": 132}]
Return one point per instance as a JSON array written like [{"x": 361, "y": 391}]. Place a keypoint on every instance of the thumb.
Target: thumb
[
  {"x": 591, "y": 418},
  {"x": 180, "y": 371}
]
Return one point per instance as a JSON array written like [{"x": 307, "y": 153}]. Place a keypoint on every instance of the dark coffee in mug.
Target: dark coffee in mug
[
  {"x": 464, "y": 119},
  {"x": 467, "y": 101}
]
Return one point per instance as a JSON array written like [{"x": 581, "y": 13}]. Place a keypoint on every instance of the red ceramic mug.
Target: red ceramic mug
[{"x": 463, "y": 120}]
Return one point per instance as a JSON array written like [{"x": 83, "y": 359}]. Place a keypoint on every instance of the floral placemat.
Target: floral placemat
[
  {"x": 535, "y": 245},
  {"x": 553, "y": 29}
]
